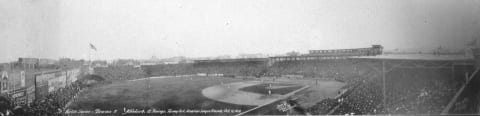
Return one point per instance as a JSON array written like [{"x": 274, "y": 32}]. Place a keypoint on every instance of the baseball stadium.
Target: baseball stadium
[
  {"x": 361, "y": 81},
  {"x": 239, "y": 57}
]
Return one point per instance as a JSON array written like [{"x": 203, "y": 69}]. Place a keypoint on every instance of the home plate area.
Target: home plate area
[{"x": 252, "y": 93}]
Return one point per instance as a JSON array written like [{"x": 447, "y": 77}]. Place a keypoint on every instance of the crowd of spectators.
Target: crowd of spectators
[
  {"x": 168, "y": 69},
  {"x": 428, "y": 90},
  {"x": 318, "y": 68},
  {"x": 366, "y": 98},
  {"x": 408, "y": 90},
  {"x": 313, "y": 68},
  {"x": 53, "y": 104},
  {"x": 323, "y": 107},
  {"x": 120, "y": 72},
  {"x": 240, "y": 68},
  {"x": 56, "y": 103},
  {"x": 6, "y": 105}
]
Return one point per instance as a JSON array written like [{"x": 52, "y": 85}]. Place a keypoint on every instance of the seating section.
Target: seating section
[{"x": 408, "y": 90}]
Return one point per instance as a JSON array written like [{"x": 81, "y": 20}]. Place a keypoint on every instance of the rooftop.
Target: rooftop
[{"x": 428, "y": 57}]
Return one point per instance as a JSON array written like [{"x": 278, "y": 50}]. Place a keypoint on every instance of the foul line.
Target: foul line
[
  {"x": 280, "y": 98},
  {"x": 450, "y": 104}
]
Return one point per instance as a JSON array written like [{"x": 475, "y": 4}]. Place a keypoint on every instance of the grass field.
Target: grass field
[
  {"x": 186, "y": 93},
  {"x": 165, "y": 93}
]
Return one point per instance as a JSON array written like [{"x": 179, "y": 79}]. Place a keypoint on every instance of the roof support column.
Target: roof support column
[{"x": 384, "y": 87}]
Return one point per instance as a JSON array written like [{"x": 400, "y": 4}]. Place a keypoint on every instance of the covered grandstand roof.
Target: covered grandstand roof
[
  {"x": 232, "y": 60},
  {"x": 428, "y": 57}
]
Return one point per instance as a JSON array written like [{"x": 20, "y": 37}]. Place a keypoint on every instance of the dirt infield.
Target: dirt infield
[{"x": 231, "y": 93}]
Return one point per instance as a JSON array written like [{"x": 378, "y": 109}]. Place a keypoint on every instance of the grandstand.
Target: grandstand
[
  {"x": 119, "y": 72},
  {"x": 431, "y": 84},
  {"x": 466, "y": 100},
  {"x": 238, "y": 67},
  {"x": 372, "y": 51},
  {"x": 168, "y": 69},
  {"x": 312, "y": 64},
  {"x": 375, "y": 83},
  {"x": 330, "y": 54}
]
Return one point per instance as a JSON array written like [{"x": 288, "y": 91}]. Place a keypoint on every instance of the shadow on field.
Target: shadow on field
[{"x": 162, "y": 94}]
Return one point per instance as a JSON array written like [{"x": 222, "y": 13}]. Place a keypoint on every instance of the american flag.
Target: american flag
[{"x": 92, "y": 47}]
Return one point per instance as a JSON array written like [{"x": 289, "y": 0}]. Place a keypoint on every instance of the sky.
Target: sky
[{"x": 140, "y": 29}]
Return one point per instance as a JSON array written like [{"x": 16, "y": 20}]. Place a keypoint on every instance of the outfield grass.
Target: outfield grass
[{"x": 166, "y": 93}]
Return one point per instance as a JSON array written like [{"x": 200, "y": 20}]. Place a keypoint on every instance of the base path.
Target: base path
[{"x": 230, "y": 93}]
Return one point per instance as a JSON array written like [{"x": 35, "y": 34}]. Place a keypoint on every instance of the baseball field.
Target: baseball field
[{"x": 182, "y": 94}]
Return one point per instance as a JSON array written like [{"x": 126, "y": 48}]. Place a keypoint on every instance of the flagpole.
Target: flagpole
[
  {"x": 89, "y": 54},
  {"x": 89, "y": 57},
  {"x": 89, "y": 60}
]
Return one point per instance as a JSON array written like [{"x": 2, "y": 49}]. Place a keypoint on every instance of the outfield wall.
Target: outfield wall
[
  {"x": 24, "y": 86},
  {"x": 50, "y": 81}
]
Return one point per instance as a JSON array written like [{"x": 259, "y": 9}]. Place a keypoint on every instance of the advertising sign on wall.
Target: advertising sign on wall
[
  {"x": 19, "y": 96},
  {"x": 59, "y": 81},
  {"x": 42, "y": 79},
  {"x": 72, "y": 75},
  {"x": 30, "y": 94},
  {"x": 22, "y": 78}
]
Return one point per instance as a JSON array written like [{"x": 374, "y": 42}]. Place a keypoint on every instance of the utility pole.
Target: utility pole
[
  {"x": 89, "y": 62},
  {"x": 384, "y": 87}
]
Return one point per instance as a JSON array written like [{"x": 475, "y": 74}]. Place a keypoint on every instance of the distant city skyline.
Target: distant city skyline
[{"x": 132, "y": 29}]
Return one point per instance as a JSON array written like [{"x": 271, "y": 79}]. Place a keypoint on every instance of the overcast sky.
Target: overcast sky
[{"x": 199, "y": 28}]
